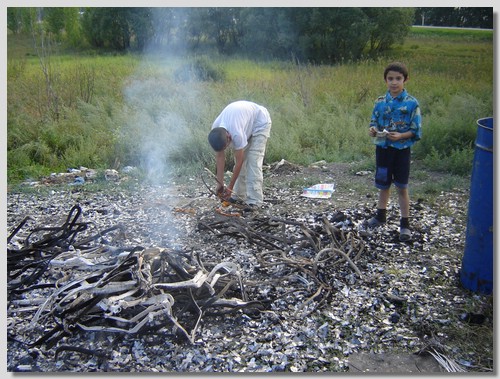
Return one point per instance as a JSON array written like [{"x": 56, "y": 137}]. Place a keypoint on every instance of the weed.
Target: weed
[{"x": 131, "y": 110}]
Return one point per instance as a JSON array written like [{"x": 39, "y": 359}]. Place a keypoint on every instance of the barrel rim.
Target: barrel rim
[{"x": 485, "y": 126}]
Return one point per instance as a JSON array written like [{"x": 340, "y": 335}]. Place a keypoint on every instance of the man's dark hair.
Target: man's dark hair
[
  {"x": 398, "y": 67},
  {"x": 217, "y": 138}
]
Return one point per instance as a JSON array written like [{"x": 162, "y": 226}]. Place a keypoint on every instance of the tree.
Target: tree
[
  {"x": 335, "y": 34},
  {"x": 196, "y": 27},
  {"x": 54, "y": 20},
  {"x": 475, "y": 17},
  {"x": 116, "y": 26},
  {"x": 72, "y": 27},
  {"x": 258, "y": 26},
  {"x": 91, "y": 30},
  {"x": 141, "y": 26},
  {"x": 107, "y": 27},
  {"x": 164, "y": 22},
  {"x": 388, "y": 26},
  {"x": 223, "y": 28},
  {"x": 63, "y": 24},
  {"x": 14, "y": 19},
  {"x": 21, "y": 20},
  {"x": 319, "y": 35}
]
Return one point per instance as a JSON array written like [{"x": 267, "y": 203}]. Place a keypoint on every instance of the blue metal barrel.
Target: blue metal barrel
[{"x": 477, "y": 263}]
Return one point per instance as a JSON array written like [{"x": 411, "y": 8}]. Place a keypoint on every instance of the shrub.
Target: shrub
[
  {"x": 457, "y": 161},
  {"x": 449, "y": 132}
]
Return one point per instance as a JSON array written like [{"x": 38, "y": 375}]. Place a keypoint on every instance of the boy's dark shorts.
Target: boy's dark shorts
[{"x": 393, "y": 166}]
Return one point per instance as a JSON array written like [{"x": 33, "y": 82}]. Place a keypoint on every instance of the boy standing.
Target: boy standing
[
  {"x": 396, "y": 126},
  {"x": 245, "y": 126}
]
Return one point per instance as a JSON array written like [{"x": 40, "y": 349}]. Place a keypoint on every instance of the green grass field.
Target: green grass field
[{"x": 83, "y": 109}]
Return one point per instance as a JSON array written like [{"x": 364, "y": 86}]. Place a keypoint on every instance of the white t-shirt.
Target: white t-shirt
[{"x": 243, "y": 119}]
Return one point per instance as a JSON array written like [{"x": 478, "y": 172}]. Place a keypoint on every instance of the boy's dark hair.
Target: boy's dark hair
[
  {"x": 217, "y": 138},
  {"x": 398, "y": 67}
]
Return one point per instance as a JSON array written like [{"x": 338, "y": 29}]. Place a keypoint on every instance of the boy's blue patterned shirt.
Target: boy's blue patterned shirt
[{"x": 399, "y": 114}]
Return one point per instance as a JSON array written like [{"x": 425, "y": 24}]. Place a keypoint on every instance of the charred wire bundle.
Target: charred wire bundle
[
  {"x": 291, "y": 249},
  {"x": 76, "y": 285}
]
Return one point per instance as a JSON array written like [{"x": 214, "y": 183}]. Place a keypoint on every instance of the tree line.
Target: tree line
[
  {"x": 317, "y": 35},
  {"x": 475, "y": 17}
]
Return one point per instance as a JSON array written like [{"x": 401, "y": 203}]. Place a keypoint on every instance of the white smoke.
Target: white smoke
[{"x": 159, "y": 103}]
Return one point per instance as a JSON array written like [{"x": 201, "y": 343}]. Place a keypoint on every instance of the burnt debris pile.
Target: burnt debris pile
[{"x": 67, "y": 280}]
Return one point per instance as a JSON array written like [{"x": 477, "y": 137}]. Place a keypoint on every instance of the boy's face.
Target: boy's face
[{"x": 395, "y": 82}]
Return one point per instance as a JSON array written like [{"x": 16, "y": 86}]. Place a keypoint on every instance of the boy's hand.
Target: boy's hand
[
  {"x": 393, "y": 136},
  {"x": 372, "y": 131},
  {"x": 396, "y": 136}
]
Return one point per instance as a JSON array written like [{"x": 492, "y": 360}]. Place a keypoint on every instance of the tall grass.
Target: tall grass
[{"x": 152, "y": 112}]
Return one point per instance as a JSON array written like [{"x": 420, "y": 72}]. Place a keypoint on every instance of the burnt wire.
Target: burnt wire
[{"x": 26, "y": 265}]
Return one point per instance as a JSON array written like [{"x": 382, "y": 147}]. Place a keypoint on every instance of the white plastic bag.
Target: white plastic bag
[{"x": 319, "y": 191}]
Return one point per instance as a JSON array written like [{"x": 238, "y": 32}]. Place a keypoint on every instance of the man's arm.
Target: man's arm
[
  {"x": 220, "y": 162},
  {"x": 239, "y": 156}
]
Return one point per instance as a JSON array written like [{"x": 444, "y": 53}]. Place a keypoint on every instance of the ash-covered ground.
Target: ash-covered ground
[{"x": 307, "y": 285}]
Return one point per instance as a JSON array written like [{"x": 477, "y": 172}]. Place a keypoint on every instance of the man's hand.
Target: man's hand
[
  {"x": 220, "y": 189},
  {"x": 224, "y": 193}
]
